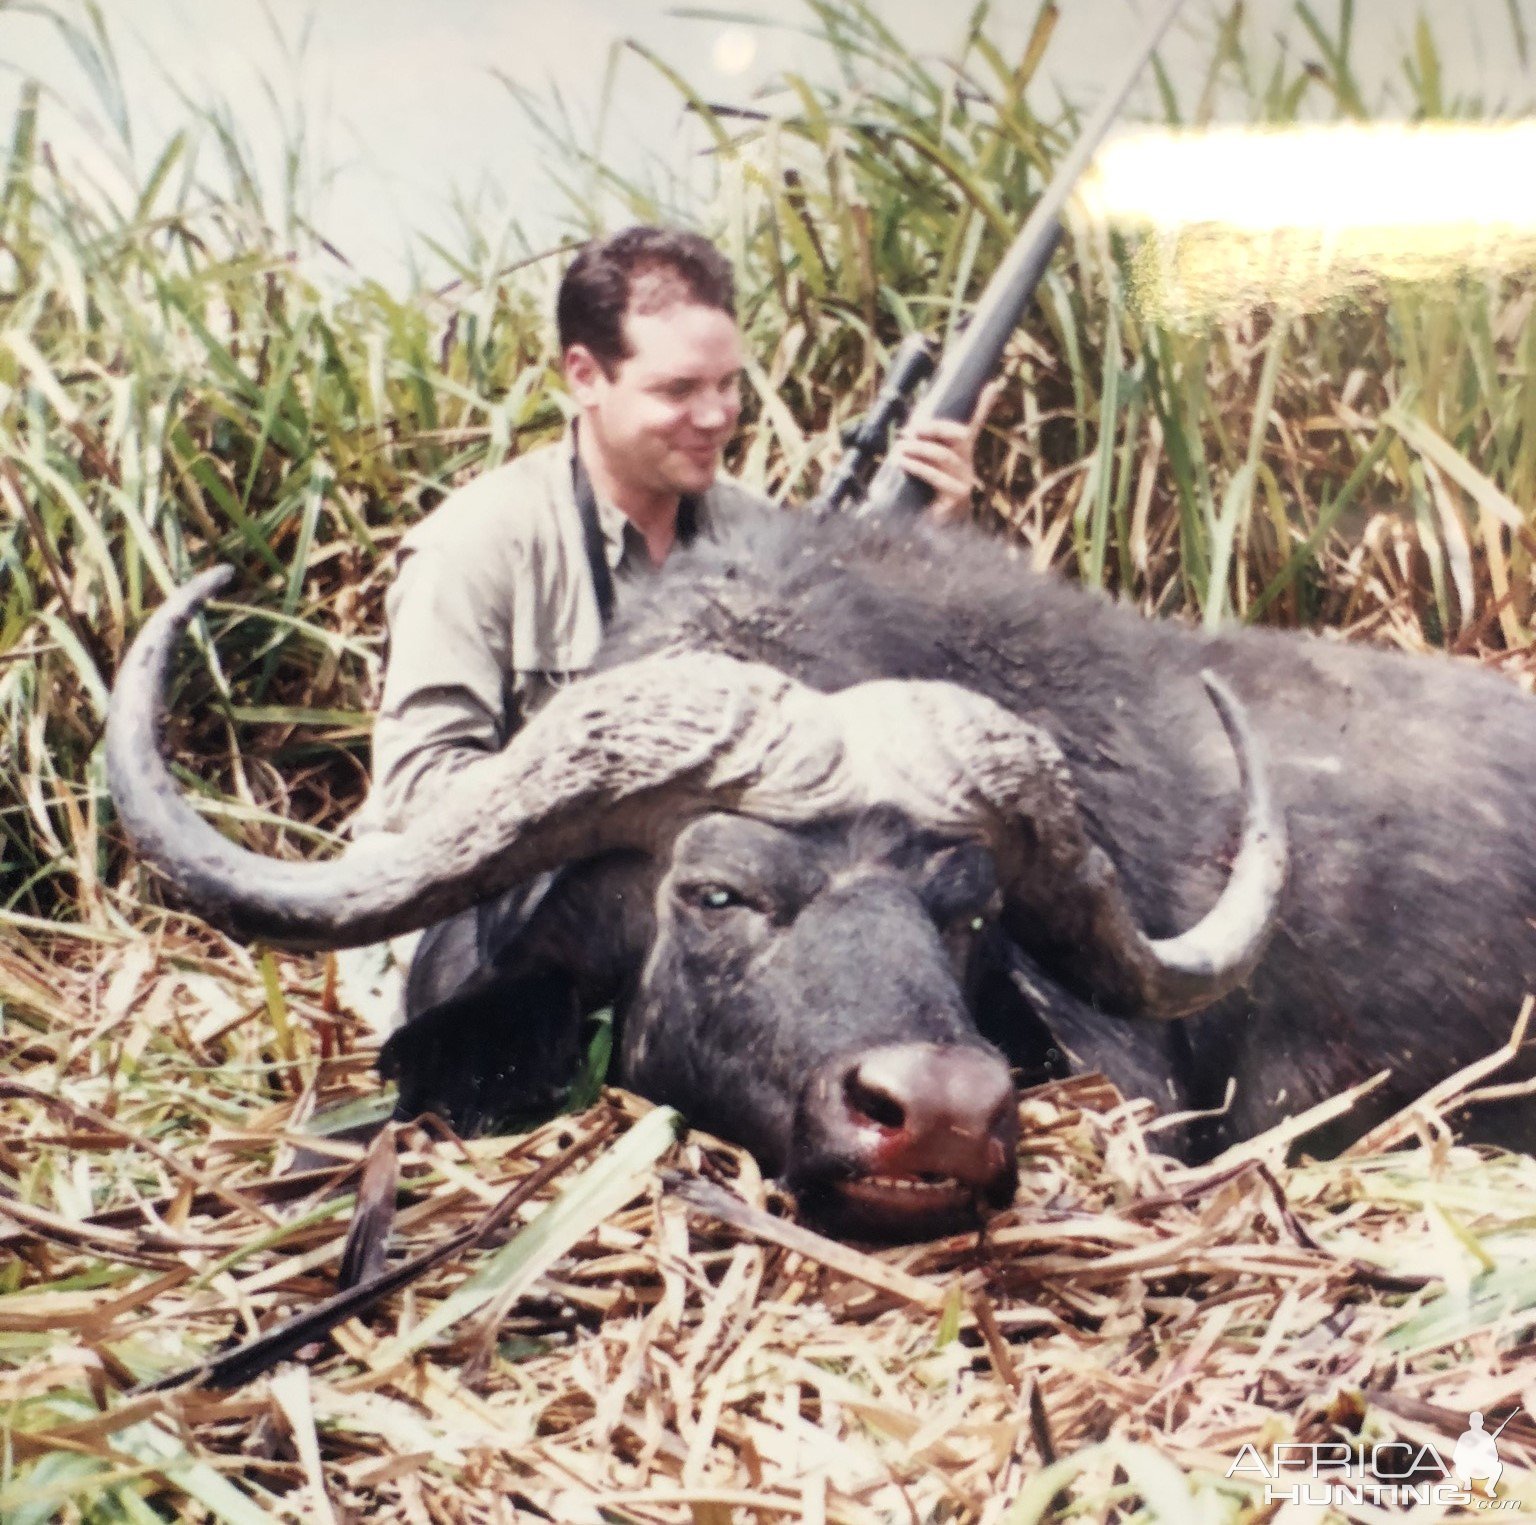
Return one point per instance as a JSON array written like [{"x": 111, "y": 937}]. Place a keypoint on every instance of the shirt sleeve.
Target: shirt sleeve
[{"x": 445, "y": 679}]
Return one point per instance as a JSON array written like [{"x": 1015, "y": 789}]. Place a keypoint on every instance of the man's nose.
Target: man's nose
[{"x": 716, "y": 410}]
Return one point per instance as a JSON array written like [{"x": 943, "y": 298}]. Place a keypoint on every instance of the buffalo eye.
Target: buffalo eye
[
  {"x": 959, "y": 888},
  {"x": 965, "y": 923},
  {"x": 969, "y": 923},
  {"x": 975, "y": 918},
  {"x": 713, "y": 897}
]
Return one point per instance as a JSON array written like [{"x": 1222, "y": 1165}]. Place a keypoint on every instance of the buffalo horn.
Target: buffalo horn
[
  {"x": 1070, "y": 890},
  {"x": 615, "y": 761}
]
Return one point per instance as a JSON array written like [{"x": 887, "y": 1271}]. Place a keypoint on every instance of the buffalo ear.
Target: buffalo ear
[
  {"x": 499, "y": 1052},
  {"x": 1144, "y": 1057},
  {"x": 497, "y": 1057},
  {"x": 1014, "y": 1012},
  {"x": 595, "y": 919}
]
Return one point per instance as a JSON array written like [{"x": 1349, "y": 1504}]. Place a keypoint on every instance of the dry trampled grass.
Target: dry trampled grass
[{"x": 643, "y": 1336}]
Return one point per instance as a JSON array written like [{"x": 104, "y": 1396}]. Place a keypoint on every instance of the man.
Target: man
[{"x": 503, "y": 591}]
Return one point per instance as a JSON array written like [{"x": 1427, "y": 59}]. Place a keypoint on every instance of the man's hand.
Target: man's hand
[{"x": 942, "y": 453}]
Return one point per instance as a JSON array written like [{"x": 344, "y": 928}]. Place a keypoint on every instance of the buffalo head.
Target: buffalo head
[{"x": 788, "y": 895}]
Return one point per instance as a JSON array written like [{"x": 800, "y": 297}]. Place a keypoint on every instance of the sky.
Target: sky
[{"x": 413, "y": 104}]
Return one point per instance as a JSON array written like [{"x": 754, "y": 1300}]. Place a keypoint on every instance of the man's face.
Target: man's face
[{"x": 664, "y": 416}]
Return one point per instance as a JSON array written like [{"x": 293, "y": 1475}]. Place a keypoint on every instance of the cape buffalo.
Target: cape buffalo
[{"x": 855, "y": 815}]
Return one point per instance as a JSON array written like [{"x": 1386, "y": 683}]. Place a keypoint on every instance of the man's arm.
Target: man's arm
[{"x": 445, "y": 679}]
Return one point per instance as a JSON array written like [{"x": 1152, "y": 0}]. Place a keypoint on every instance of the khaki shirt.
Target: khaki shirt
[{"x": 491, "y": 609}]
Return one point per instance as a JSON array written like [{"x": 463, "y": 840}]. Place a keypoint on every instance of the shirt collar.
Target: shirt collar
[{"x": 621, "y": 538}]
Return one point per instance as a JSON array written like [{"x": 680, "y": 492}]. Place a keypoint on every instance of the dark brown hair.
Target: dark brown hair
[{"x": 639, "y": 270}]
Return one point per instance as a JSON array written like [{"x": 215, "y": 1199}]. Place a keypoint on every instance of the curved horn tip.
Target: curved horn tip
[
  {"x": 178, "y": 609},
  {"x": 152, "y": 647},
  {"x": 135, "y": 707},
  {"x": 1247, "y": 748},
  {"x": 1223, "y": 948},
  {"x": 196, "y": 592},
  {"x": 1228, "y": 705}
]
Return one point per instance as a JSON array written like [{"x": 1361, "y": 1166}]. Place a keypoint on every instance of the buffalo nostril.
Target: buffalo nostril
[
  {"x": 946, "y": 1110},
  {"x": 870, "y": 1101}
]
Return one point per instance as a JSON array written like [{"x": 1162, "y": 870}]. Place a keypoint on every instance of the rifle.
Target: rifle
[{"x": 977, "y": 353}]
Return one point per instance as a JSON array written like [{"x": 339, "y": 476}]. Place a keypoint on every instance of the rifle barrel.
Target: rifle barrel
[{"x": 975, "y": 356}]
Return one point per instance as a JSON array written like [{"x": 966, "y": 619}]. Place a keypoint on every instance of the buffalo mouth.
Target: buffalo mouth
[
  {"x": 899, "y": 1209},
  {"x": 904, "y": 1208},
  {"x": 906, "y": 1141}
]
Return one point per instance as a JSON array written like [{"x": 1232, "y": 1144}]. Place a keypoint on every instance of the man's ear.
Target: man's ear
[{"x": 583, "y": 373}]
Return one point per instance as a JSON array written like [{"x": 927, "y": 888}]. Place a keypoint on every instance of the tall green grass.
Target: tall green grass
[{"x": 186, "y": 375}]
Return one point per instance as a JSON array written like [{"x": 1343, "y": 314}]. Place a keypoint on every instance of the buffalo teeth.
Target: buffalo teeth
[{"x": 904, "y": 1183}]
